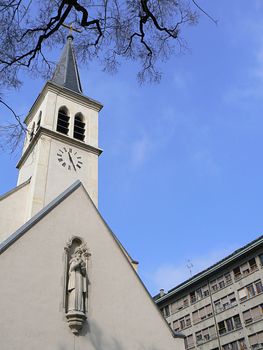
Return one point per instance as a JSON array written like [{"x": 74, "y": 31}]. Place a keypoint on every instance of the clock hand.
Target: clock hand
[{"x": 70, "y": 158}]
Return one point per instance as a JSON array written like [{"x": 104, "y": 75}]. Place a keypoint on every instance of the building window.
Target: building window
[
  {"x": 166, "y": 311},
  {"x": 237, "y": 321},
  {"x": 205, "y": 291},
  {"x": 245, "y": 269},
  {"x": 229, "y": 325},
  {"x": 250, "y": 290},
  {"x": 199, "y": 294},
  {"x": 261, "y": 259},
  {"x": 187, "y": 321},
  {"x": 236, "y": 345},
  {"x": 237, "y": 273},
  {"x": 202, "y": 313},
  {"x": 253, "y": 315},
  {"x": 180, "y": 304},
  {"x": 79, "y": 127},
  {"x": 182, "y": 323},
  {"x": 259, "y": 287},
  {"x": 252, "y": 264},
  {"x": 205, "y": 335},
  {"x": 256, "y": 341},
  {"x": 228, "y": 278},
  {"x": 221, "y": 282},
  {"x": 63, "y": 121},
  {"x": 193, "y": 297},
  {"x": 176, "y": 327},
  {"x": 39, "y": 120},
  {"x": 189, "y": 341}
]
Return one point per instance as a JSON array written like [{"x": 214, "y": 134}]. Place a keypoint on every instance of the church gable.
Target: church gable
[{"x": 120, "y": 312}]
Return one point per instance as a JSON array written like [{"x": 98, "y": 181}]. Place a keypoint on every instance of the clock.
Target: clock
[{"x": 69, "y": 159}]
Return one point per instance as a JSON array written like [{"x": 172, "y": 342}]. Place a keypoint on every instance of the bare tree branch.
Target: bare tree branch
[{"x": 147, "y": 31}]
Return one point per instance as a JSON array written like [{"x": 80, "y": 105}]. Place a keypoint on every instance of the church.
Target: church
[{"x": 67, "y": 283}]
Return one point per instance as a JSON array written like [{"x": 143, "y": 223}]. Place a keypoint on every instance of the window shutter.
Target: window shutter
[
  {"x": 212, "y": 331},
  {"x": 242, "y": 293},
  {"x": 260, "y": 337},
  {"x": 202, "y": 313},
  {"x": 176, "y": 325},
  {"x": 190, "y": 340},
  {"x": 173, "y": 307},
  {"x": 253, "y": 339},
  {"x": 256, "y": 313},
  {"x": 246, "y": 316},
  {"x": 195, "y": 317},
  {"x": 209, "y": 310}
]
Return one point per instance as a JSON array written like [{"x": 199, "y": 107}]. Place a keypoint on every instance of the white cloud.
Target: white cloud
[
  {"x": 140, "y": 150},
  {"x": 169, "y": 275}
]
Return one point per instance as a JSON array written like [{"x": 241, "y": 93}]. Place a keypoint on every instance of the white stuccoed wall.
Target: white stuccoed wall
[
  {"x": 121, "y": 314},
  {"x": 13, "y": 211},
  {"x": 49, "y": 179}
]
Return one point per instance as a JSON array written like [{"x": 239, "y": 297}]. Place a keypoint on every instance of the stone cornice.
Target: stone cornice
[
  {"x": 62, "y": 91},
  {"x": 57, "y": 136}
]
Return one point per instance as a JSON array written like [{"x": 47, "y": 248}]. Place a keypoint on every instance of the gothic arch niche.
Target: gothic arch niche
[
  {"x": 63, "y": 120},
  {"x": 76, "y": 283},
  {"x": 79, "y": 127}
]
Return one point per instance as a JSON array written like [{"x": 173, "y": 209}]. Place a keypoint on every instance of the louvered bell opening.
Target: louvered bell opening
[
  {"x": 63, "y": 123},
  {"x": 79, "y": 129}
]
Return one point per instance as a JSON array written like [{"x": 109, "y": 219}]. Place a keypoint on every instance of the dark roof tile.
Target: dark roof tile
[{"x": 66, "y": 73}]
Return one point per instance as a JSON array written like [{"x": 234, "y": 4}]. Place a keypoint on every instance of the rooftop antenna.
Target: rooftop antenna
[{"x": 190, "y": 266}]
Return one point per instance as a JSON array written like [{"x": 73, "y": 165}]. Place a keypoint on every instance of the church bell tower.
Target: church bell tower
[{"x": 62, "y": 143}]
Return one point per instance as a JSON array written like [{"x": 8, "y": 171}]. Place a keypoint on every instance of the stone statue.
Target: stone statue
[
  {"x": 76, "y": 278},
  {"x": 77, "y": 282}
]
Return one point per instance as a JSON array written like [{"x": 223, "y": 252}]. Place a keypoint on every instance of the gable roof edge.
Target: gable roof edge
[
  {"x": 15, "y": 189},
  {"x": 126, "y": 255},
  {"x": 36, "y": 218}
]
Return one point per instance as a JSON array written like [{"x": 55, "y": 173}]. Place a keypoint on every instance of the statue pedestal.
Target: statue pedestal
[{"x": 76, "y": 320}]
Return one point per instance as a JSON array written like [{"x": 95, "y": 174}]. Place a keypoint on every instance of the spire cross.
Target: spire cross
[{"x": 70, "y": 27}]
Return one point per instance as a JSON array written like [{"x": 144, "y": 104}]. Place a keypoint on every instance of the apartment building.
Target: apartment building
[{"x": 221, "y": 307}]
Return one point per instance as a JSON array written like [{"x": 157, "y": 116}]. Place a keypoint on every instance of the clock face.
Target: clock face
[{"x": 69, "y": 159}]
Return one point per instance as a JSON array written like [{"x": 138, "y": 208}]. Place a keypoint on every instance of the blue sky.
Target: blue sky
[{"x": 181, "y": 174}]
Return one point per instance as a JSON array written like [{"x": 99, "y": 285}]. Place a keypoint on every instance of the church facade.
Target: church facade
[{"x": 67, "y": 282}]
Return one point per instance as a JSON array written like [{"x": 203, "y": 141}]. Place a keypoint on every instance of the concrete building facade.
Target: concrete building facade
[{"x": 221, "y": 307}]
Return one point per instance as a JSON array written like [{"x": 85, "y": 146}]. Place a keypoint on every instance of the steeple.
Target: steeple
[
  {"x": 66, "y": 73},
  {"x": 62, "y": 145}
]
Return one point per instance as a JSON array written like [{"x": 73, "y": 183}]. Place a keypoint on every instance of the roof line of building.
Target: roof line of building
[
  {"x": 3, "y": 196},
  {"x": 210, "y": 270},
  {"x": 36, "y": 218}
]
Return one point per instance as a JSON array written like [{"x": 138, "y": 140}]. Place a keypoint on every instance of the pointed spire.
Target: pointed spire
[{"x": 66, "y": 73}]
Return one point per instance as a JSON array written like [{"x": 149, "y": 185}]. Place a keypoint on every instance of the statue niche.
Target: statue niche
[{"x": 76, "y": 284}]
